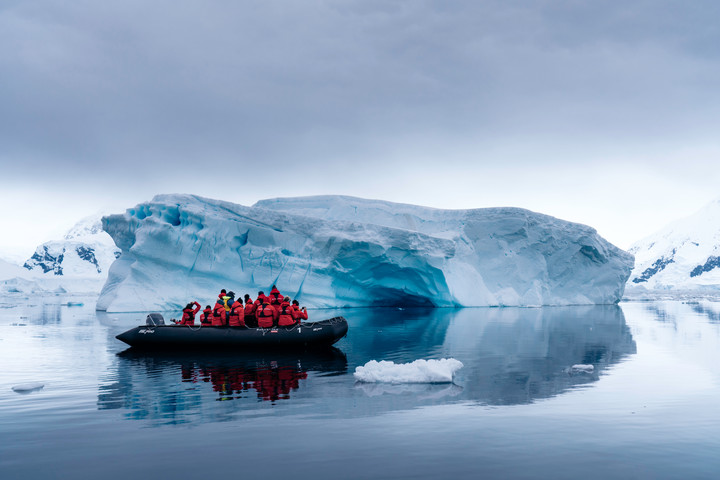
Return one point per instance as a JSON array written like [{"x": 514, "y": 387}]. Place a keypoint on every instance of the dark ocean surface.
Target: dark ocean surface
[{"x": 649, "y": 409}]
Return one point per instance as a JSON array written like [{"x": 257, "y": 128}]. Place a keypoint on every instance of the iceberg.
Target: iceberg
[
  {"x": 335, "y": 251},
  {"x": 419, "y": 371}
]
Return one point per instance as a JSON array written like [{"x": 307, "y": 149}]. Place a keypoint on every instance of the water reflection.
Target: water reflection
[
  {"x": 515, "y": 355},
  {"x": 180, "y": 387},
  {"x": 511, "y": 356}
]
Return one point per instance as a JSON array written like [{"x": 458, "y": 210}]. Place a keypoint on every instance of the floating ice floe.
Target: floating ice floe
[
  {"x": 581, "y": 368},
  {"x": 28, "y": 387},
  {"x": 419, "y": 371}
]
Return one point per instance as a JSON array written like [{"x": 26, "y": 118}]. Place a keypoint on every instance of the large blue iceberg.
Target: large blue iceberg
[{"x": 334, "y": 251}]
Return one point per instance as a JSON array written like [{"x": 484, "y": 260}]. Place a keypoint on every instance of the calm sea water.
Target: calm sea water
[{"x": 650, "y": 408}]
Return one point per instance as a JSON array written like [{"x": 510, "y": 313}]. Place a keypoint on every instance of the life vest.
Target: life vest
[
  {"x": 286, "y": 316},
  {"x": 219, "y": 315},
  {"x": 275, "y": 303},
  {"x": 188, "y": 317},
  {"x": 227, "y": 303},
  {"x": 205, "y": 318},
  {"x": 237, "y": 315},
  {"x": 265, "y": 316}
]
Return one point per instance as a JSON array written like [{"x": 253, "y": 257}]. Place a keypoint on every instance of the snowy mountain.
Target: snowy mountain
[
  {"x": 685, "y": 255},
  {"x": 342, "y": 251},
  {"x": 78, "y": 263},
  {"x": 86, "y": 250}
]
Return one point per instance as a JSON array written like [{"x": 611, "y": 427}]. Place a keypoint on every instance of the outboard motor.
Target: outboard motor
[{"x": 154, "y": 319}]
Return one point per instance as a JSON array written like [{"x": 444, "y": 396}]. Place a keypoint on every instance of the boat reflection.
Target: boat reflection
[{"x": 176, "y": 387}]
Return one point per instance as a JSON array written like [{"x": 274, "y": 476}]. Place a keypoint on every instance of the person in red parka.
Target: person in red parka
[
  {"x": 266, "y": 315},
  {"x": 236, "y": 316},
  {"x": 261, "y": 296},
  {"x": 275, "y": 303},
  {"x": 219, "y": 317},
  {"x": 250, "y": 308},
  {"x": 287, "y": 316},
  {"x": 206, "y": 317},
  {"x": 275, "y": 295},
  {"x": 189, "y": 313},
  {"x": 302, "y": 312}
]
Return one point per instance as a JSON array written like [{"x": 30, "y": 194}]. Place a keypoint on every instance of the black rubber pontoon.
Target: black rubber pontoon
[{"x": 156, "y": 335}]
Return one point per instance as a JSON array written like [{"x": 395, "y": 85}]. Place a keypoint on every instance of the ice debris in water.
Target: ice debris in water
[
  {"x": 419, "y": 371},
  {"x": 28, "y": 387},
  {"x": 581, "y": 368}
]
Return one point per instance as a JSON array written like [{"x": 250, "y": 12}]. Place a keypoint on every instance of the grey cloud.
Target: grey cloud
[{"x": 173, "y": 84}]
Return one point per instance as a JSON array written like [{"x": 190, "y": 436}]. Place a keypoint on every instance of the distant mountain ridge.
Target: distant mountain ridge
[
  {"x": 85, "y": 251},
  {"x": 77, "y": 263},
  {"x": 685, "y": 255}
]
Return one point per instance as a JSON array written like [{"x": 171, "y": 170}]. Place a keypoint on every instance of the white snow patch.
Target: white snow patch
[{"x": 419, "y": 371}]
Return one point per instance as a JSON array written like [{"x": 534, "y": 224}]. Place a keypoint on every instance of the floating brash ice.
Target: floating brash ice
[
  {"x": 419, "y": 371},
  {"x": 28, "y": 387}
]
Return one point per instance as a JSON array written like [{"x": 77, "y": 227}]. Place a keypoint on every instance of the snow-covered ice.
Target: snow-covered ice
[
  {"x": 419, "y": 371},
  {"x": 77, "y": 263},
  {"x": 682, "y": 258},
  {"x": 342, "y": 251},
  {"x": 86, "y": 250}
]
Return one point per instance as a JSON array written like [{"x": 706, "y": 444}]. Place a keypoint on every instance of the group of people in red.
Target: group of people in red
[{"x": 269, "y": 311}]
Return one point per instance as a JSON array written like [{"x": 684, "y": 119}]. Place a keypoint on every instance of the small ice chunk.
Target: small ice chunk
[
  {"x": 419, "y": 371},
  {"x": 581, "y": 368},
  {"x": 28, "y": 387}
]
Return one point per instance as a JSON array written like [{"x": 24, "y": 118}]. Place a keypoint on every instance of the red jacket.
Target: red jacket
[
  {"x": 266, "y": 316},
  {"x": 287, "y": 315},
  {"x": 250, "y": 309},
  {"x": 219, "y": 319},
  {"x": 188, "y": 317},
  {"x": 237, "y": 315},
  {"x": 206, "y": 317},
  {"x": 302, "y": 314}
]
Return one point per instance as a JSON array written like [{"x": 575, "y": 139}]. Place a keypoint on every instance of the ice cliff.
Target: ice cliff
[{"x": 340, "y": 251}]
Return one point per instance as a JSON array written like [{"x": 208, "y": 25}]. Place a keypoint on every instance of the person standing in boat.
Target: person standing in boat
[
  {"x": 287, "y": 316},
  {"x": 189, "y": 313},
  {"x": 275, "y": 295},
  {"x": 301, "y": 312},
  {"x": 266, "y": 315},
  {"x": 206, "y": 316}
]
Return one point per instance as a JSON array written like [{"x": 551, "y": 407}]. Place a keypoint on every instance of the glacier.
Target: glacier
[
  {"x": 681, "y": 258},
  {"x": 335, "y": 251}
]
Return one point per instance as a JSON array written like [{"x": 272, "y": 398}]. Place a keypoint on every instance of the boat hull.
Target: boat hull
[{"x": 305, "y": 335}]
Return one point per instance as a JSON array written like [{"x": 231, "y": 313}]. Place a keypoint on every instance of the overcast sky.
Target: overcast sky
[{"x": 605, "y": 113}]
